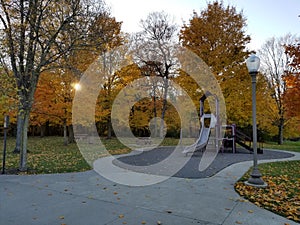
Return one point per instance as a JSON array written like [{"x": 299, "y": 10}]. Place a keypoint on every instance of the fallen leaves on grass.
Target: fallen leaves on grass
[
  {"x": 50, "y": 155},
  {"x": 282, "y": 195}
]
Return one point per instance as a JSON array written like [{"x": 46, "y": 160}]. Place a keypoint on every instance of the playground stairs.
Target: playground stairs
[{"x": 246, "y": 142}]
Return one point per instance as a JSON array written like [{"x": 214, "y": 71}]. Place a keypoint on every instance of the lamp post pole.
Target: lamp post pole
[
  {"x": 5, "y": 127},
  {"x": 255, "y": 179}
]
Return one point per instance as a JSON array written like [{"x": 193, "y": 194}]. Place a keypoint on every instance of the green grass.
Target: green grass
[
  {"x": 170, "y": 142},
  {"x": 50, "y": 155},
  {"x": 287, "y": 145},
  {"x": 46, "y": 155},
  {"x": 114, "y": 146},
  {"x": 276, "y": 169}
]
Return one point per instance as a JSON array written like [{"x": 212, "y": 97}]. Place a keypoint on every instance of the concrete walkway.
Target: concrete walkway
[{"x": 87, "y": 199}]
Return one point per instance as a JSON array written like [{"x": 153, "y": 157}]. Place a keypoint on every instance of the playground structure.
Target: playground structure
[
  {"x": 234, "y": 136},
  {"x": 210, "y": 123}
]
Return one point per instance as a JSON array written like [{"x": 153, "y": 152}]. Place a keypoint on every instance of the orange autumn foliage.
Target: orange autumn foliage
[
  {"x": 292, "y": 80},
  {"x": 53, "y": 99}
]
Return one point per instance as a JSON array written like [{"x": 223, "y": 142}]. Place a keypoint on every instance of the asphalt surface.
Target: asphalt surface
[{"x": 137, "y": 162}]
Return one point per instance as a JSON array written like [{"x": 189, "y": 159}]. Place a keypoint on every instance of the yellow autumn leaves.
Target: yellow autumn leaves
[{"x": 282, "y": 195}]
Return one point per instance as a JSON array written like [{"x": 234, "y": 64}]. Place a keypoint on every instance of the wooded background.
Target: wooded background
[{"x": 46, "y": 46}]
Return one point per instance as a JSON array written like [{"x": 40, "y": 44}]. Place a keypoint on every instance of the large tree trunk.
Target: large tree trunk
[
  {"x": 65, "y": 133},
  {"x": 164, "y": 107},
  {"x": 280, "y": 131},
  {"x": 154, "y": 111},
  {"x": 71, "y": 134},
  {"x": 155, "y": 116},
  {"x": 17, "y": 149},
  {"x": 25, "y": 104},
  {"x": 21, "y": 138},
  {"x": 42, "y": 130},
  {"x": 24, "y": 122}
]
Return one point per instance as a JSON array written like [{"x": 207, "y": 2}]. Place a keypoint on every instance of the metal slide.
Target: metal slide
[{"x": 204, "y": 135}]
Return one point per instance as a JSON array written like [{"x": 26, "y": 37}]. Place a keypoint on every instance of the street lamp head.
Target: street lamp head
[{"x": 253, "y": 63}]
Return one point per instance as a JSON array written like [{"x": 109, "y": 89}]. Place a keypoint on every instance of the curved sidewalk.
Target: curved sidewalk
[{"x": 87, "y": 198}]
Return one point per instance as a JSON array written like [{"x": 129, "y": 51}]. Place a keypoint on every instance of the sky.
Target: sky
[{"x": 265, "y": 18}]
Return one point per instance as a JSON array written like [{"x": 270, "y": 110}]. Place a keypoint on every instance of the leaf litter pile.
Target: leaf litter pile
[{"x": 282, "y": 195}]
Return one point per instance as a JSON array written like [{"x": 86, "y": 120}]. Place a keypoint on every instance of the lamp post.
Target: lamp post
[
  {"x": 5, "y": 127},
  {"x": 253, "y": 63}
]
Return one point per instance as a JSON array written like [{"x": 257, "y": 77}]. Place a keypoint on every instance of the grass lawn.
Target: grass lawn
[
  {"x": 49, "y": 155},
  {"x": 287, "y": 145},
  {"x": 282, "y": 195}
]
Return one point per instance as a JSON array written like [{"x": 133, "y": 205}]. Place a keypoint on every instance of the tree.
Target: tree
[
  {"x": 54, "y": 95},
  {"x": 53, "y": 101},
  {"x": 274, "y": 65},
  {"x": 154, "y": 50},
  {"x": 104, "y": 35},
  {"x": 112, "y": 80},
  {"x": 217, "y": 36},
  {"x": 140, "y": 116},
  {"x": 36, "y": 34},
  {"x": 292, "y": 81},
  {"x": 8, "y": 97}
]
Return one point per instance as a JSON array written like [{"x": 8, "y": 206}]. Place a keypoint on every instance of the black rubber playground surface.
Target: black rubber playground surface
[{"x": 190, "y": 170}]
